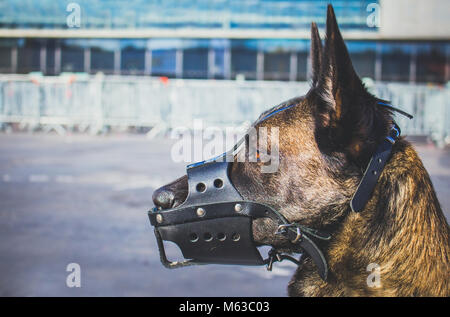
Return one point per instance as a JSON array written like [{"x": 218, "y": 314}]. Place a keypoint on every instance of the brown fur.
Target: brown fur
[
  {"x": 326, "y": 141},
  {"x": 402, "y": 229}
]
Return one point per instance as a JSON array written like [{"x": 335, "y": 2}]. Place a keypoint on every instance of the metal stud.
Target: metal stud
[
  {"x": 159, "y": 218},
  {"x": 238, "y": 207},
  {"x": 201, "y": 212}
]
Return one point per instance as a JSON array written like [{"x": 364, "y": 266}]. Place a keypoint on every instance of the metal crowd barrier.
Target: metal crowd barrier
[{"x": 99, "y": 102}]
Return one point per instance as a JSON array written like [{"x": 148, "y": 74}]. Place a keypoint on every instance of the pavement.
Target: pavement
[{"x": 84, "y": 199}]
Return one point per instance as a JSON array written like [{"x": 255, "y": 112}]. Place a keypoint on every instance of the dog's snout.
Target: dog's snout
[
  {"x": 163, "y": 198},
  {"x": 171, "y": 195}
]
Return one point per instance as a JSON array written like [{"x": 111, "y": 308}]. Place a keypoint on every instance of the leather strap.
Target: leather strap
[
  {"x": 373, "y": 171},
  {"x": 316, "y": 255}
]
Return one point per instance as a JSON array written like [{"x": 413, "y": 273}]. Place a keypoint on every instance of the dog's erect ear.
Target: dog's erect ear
[
  {"x": 345, "y": 112},
  {"x": 315, "y": 53},
  {"x": 338, "y": 81}
]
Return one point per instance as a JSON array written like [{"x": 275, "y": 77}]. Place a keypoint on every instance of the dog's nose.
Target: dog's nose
[
  {"x": 171, "y": 195},
  {"x": 163, "y": 198}
]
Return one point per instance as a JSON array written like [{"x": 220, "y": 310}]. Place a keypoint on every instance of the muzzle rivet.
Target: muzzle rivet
[
  {"x": 201, "y": 212},
  {"x": 238, "y": 207},
  {"x": 159, "y": 218}
]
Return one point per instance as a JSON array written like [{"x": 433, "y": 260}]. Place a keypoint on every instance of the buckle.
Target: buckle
[
  {"x": 283, "y": 229},
  {"x": 276, "y": 256},
  {"x": 298, "y": 237}
]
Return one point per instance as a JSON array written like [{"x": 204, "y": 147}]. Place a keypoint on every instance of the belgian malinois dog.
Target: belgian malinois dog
[{"x": 325, "y": 143}]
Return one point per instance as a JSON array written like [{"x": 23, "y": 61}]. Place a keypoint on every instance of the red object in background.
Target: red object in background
[
  {"x": 164, "y": 80},
  {"x": 72, "y": 79}
]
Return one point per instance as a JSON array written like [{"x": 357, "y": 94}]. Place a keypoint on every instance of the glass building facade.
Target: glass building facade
[
  {"x": 205, "y": 58},
  {"x": 219, "y": 59},
  {"x": 140, "y": 14}
]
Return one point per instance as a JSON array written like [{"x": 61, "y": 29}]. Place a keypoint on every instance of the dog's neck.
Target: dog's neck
[{"x": 397, "y": 246}]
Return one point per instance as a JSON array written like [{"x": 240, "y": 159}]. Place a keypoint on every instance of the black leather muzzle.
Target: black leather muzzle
[{"x": 214, "y": 224}]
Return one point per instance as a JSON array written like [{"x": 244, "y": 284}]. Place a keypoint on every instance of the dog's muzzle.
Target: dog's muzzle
[{"x": 214, "y": 224}]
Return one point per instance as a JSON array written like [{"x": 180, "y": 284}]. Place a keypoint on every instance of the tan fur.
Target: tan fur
[{"x": 409, "y": 240}]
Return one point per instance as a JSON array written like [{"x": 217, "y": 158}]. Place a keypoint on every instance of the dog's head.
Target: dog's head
[{"x": 325, "y": 142}]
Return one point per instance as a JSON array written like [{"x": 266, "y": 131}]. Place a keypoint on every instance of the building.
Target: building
[{"x": 221, "y": 39}]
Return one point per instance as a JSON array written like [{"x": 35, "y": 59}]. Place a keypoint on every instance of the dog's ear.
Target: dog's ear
[
  {"x": 338, "y": 83},
  {"x": 315, "y": 53},
  {"x": 347, "y": 117},
  {"x": 346, "y": 114}
]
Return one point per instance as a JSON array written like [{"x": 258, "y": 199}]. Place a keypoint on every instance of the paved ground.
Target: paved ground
[{"x": 84, "y": 199}]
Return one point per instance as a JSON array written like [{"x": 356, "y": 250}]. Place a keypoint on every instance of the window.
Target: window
[
  {"x": 395, "y": 60},
  {"x": 277, "y": 58},
  {"x": 302, "y": 66},
  {"x": 195, "y": 59},
  {"x": 276, "y": 65},
  {"x": 102, "y": 55},
  {"x": 363, "y": 57},
  {"x": 164, "y": 63},
  {"x": 29, "y": 56},
  {"x": 220, "y": 67},
  {"x": 431, "y": 62},
  {"x": 72, "y": 55},
  {"x": 195, "y": 63},
  {"x": 243, "y": 58},
  {"x": 6, "y": 46},
  {"x": 133, "y": 57},
  {"x": 50, "y": 57},
  {"x": 164, "y": 59}
]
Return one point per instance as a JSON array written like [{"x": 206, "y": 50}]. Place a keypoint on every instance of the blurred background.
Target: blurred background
[{"x": 90, "y": 91}]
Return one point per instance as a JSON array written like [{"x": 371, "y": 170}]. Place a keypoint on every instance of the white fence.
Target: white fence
[{"x": 100, "y": 102}]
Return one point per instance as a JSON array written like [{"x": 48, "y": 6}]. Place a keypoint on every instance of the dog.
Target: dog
[{"x": 326, "y": 142}]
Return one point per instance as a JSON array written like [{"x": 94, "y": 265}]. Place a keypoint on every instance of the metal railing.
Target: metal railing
[{"x": 99, "y": 102}]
